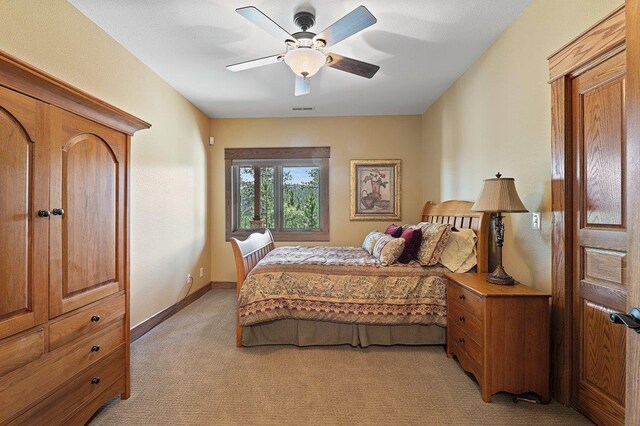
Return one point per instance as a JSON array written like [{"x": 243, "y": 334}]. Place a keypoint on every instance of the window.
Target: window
[{"x": 283, "y": 189}]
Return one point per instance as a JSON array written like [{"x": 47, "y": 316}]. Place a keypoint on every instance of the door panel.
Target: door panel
[
  {"x": 602, "y": 110},
  {"x": 87, "y": 240},
  {"x": 23, "y": 234},
  {"x": 602, "y": 350},
  {"x": 599, "y": 240}
]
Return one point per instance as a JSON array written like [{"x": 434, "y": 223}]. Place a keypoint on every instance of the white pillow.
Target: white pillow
[
  {"x": 371, "y": 239},
  {"x": 460, "y": 253}
]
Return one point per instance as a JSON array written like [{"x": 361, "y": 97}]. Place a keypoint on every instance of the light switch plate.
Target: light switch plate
[{"x": 535, "y": 220}]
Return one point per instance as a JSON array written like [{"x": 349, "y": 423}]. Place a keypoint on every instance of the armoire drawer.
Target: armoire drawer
[
  {"x": 28, "y": 384},
  {"x": 86, "y": 320},
  {"x": 21, "y": 350},
  {"x": 83, "y": 388}
]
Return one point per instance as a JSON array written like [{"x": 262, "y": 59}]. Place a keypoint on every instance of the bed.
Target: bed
[{"x": 338, "y": 295}]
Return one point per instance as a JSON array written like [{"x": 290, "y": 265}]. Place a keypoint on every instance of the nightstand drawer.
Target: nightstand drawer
[
  {"x": 470, "y": 302},
  {"x": 470, "y": 324},
  {"x": 463, "y": 343}
]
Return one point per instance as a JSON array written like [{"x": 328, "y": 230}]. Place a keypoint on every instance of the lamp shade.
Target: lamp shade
[
  {"x": 305, "y": 61},
  {"x": 499, "y": 195}
]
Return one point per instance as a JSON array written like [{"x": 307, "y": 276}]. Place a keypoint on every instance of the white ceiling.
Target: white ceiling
[{"x": 422, "y": 47}]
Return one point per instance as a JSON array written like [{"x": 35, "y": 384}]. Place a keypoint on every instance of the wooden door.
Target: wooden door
[
  {"x": 24, "y": 181},
  {"x": 88, "y": 166},
  {"x": 633, "y": 201},
  {"x": 600, "y": 240}
]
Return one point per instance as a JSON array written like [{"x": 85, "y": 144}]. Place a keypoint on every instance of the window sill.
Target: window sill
[{"x": 284, "y": 236}]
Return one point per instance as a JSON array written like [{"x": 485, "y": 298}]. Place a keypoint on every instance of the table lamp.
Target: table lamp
[{"x": 499, "y": 196}]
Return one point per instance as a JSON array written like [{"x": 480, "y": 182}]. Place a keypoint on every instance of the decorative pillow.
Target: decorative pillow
[
  {"x": 388, "y": 249},
  {"x": 468, "y": 264},
  {"x": 394, "y": 230},
  {"x": 370, "y": 240},
  {"x": 460, "y": 250},
  {"x": 412, "y": 240},
  {"x": 434, "y": 239}
]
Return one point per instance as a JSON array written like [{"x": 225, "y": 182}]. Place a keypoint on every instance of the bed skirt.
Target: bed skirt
[{"x": 320, "y": 333}]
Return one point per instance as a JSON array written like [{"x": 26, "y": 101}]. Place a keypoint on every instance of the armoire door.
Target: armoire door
[
  {"x": 24, "y": 234},
  {"x": 87, "y": 192},
  {"x": 600, "y": 240}
]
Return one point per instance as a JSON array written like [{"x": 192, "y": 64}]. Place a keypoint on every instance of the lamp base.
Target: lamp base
[{"x": 500, "y": 277}]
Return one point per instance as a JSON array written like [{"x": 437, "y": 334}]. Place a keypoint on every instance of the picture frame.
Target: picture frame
[{"x": 375, "y": 190}]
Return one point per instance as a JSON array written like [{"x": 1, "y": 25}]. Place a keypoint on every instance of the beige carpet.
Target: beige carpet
[{"x": 187, "y": 371}]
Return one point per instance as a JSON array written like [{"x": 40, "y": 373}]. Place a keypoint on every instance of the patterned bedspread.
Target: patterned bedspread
[{"x": 341, "y": 284}]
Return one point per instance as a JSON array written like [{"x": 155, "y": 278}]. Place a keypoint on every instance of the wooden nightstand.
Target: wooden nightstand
[{"x": 500, "y": 334}]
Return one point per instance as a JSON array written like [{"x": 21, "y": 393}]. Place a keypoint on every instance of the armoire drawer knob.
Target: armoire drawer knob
[
  {"x": 95, "y": 380},
  {"x": 44, "y": 213},
  {"x": 57, "y": 212},
  {"x": 462, "y": 297},
  {"x": 461, "y": 318},
  {"x": 95, "y": 348},
  {"x": 461, "y": 340},
  {"x": 95, "y": 318}
]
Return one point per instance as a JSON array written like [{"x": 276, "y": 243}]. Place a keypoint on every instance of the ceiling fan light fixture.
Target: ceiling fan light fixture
[{"x": 305, "y": 61}]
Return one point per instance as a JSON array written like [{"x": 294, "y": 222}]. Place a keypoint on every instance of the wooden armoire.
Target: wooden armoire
[{"x": 64, "y": 226}]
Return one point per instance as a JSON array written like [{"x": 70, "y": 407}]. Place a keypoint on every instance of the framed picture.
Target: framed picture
[{"x": 375, "y": 189}]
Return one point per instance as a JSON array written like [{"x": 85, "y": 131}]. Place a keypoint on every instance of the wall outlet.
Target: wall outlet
[
  {"x": 535, "y": 220},
  {"x": 201, "y": 272},
  {"x": 189, "y": 278}
]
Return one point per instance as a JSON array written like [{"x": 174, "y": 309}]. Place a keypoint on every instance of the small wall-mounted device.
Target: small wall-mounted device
[
  {"x": 211, "y": 140},
  {"x": 535, "y": 220}
]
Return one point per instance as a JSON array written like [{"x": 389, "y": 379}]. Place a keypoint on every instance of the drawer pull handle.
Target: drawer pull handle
[
  {"x": 461, "y": 340},
  {"x": 95, "y": 348},
  {"x": 461, "y": 318},
  {"x": 95, "y": 380},
  {"x": 462, "y": 297},
  {"x": 58, "y": 212},
  {"x": 44, "y": 213},
  {"x": 95, "y": 318}
]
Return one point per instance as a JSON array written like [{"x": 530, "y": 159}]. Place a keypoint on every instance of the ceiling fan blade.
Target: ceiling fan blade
[
  {"x": 351, "y": 23},
  {"x": 267, "y": 60},
  {"x": 303, "y": 86},
  {"x": 254, "y": 15},
  {"x": 353, "y": 66}
]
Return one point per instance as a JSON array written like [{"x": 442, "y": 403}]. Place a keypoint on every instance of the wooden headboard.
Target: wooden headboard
[{"x": 459, "y": 214}]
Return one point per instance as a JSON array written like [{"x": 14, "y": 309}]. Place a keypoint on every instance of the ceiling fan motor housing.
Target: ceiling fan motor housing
[{"x": 304, "y": 20}]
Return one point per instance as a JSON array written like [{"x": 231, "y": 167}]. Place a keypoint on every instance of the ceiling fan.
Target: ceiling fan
[{"x": 304, "y": 52}]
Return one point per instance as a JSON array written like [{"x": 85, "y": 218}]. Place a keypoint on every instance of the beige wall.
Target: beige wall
[
  {"x": 496, "y": 117},
  {"x": 169, "y": 218},
  {"x": 349, "y": 138}
]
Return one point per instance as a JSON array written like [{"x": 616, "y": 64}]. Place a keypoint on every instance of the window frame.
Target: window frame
[{"x": 277, "y": 158}]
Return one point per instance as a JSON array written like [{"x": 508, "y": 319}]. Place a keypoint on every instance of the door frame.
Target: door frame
[
  {"x": 598, "y": 43},
  {"x": 633, "y": 187}
]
